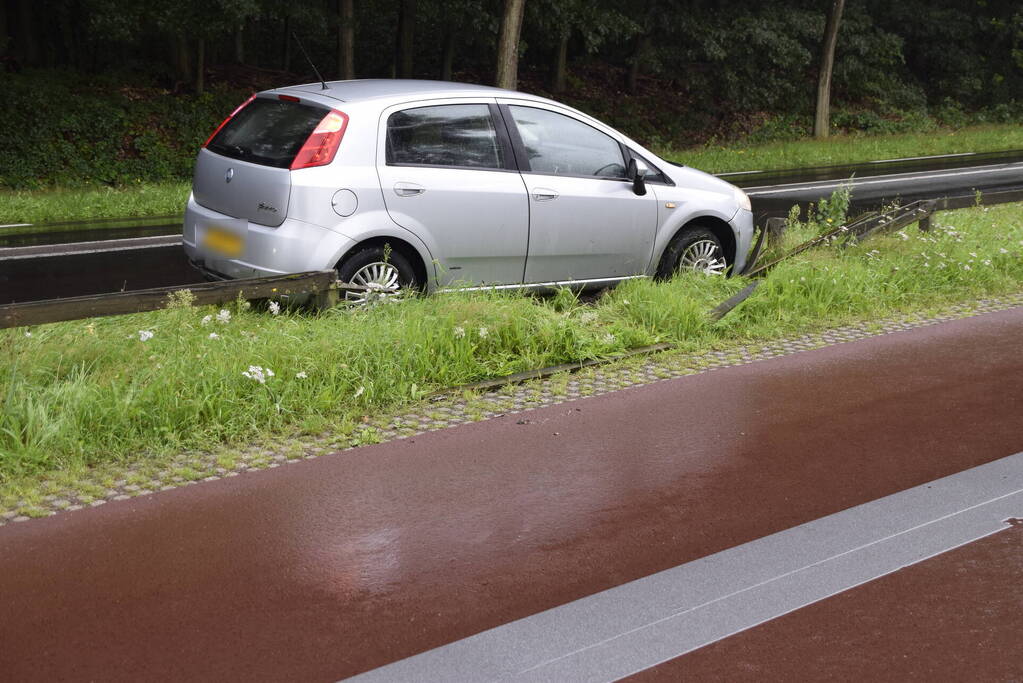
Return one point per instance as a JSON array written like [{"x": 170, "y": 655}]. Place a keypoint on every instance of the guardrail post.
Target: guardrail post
[
  {"x": 775, "y": 230},
  {"x": 327, "y": 298}
]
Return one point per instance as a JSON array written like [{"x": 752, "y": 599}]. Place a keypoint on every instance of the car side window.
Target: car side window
[
  {"x": 458, "y": 135},
  {"x": 560, "y": 145}
]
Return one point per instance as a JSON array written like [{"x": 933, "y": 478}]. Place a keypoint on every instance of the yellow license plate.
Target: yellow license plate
[{"x": 221, "y": 241}]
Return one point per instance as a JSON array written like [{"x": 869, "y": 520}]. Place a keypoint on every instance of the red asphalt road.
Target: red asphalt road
[{"x": 333, "y": 566}]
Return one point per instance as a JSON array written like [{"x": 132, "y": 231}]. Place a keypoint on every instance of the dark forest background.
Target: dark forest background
[{"x": 122, "y": 90}]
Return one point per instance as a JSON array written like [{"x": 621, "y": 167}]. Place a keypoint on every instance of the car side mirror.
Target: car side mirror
[{"x": 637, "y": 173}]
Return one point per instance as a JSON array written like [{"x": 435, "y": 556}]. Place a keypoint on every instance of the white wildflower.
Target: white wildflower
[
  {"x": 625, "y": 302},
  {"x": 258, "y": 374},
  {"x": 301, "y": 375},
  {"x": 275, "y": 308},
  {"x": 987, "y": 262},
  {"x": 206, "y": 320},
  {"x": 973, "y": 254},
  {"x": 145, "y": 335},
  {"x": 966, "y": 266},
  {"x": 902, "y": 235},
  {"x": 459, "y": 332},
  {"x": 214, "y": 335},
  {"x": 28, "y": 334},
  {"x": 609, "y": 338},
  {"x": 1003, "y": 250},
  {"x": 483, "y": 332},
  {"x": 224, "y": 317},
  {"x": 358, "y": 392}
]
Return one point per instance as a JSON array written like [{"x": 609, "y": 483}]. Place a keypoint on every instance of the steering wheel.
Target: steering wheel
[{"x": 600, "y": 171}]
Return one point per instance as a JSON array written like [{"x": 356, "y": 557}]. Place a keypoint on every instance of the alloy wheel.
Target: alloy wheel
[
  {"x": 703, "y": 256},
  {"x": 381, "y": 280}
]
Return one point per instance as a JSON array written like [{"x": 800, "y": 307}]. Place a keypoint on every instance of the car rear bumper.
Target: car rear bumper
[{"x": 293, "y": 247}]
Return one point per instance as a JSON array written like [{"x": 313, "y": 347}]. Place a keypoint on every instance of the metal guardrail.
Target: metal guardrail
[
  {"x": 323, "y": 289},
  {"x": 320, "y": 286},
  {"x": 857, "y": 230}
]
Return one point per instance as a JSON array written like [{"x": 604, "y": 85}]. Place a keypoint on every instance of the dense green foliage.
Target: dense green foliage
[
  {"x": 120, "y": 90},
  {"x": 62, "y": 129}
]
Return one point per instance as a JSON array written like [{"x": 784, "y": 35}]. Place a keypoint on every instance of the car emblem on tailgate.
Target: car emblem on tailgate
[{"x": 228, "y": 175}]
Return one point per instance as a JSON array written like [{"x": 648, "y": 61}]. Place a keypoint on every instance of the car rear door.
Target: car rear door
[
  {"x": 585, "y": 220},
  {"x": 447, "y": 174}
]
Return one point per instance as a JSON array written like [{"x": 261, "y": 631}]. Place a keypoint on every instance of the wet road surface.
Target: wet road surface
[{"x": 338, "y": 565}]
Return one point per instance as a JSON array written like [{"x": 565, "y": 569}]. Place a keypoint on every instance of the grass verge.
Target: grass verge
[
  {"x": 846, "y": 149},
  {"x": 148, "y": 386},
  {"x": 129, "y": 201}
]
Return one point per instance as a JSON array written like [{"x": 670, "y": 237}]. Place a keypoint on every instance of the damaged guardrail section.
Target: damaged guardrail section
[{"x": 322, "y": 288}]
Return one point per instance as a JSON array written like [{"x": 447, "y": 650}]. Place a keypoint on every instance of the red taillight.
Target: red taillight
[
  {"x": 229, "y": 117},
  {"x": 321, "y": 146}
]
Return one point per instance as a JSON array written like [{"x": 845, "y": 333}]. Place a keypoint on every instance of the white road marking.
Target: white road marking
[
  {"x": 937, "y": 156},
  {"x": 624, "y": 630},
  {"x": 880, "y": 180},
  {"x": 102, "y": 246}
]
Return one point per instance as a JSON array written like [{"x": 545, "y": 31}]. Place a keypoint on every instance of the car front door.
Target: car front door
[
  {"x": 585, "y": 220},
  {"x": 447, "y": 175}
]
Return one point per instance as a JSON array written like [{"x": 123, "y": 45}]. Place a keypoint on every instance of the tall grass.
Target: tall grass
[{"x": 80, "y": 393}]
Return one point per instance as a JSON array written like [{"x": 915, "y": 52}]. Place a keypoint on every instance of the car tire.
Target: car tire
[
  {"x": 388, "y": 268},
  {"x": 696, "y": 249}
]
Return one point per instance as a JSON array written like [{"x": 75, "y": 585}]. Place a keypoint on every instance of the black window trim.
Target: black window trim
[
  {"x": 499, "y": 130},
  {"x": 520, "y": 149},
  {"x": 665, "y": 180}
]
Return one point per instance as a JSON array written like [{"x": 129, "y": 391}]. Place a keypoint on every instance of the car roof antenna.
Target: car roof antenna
[{"x": 306, "y": 55}]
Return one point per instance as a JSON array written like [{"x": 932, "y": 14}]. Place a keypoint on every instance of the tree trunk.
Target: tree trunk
[
  {"x": 182, "y": 58},
  {"x": 239, "y": 44},
  {"x": 508, "y": 45},
  {"x": 26, "y": 35},
  {"x": 822, "y": 121},
  {"x": 5, "y": 36},
  {"x": 200, "y": 66},
  {"x": 406, "y": 33},
  {"x": 447, "y": 62},
  {"x": 346, "y": 39},
  {"x": 69, "y": 52},
  {"x": 636, "y": 63},
  {"x": 560, "y": 64},
  {"x": 286, "y": 59}
]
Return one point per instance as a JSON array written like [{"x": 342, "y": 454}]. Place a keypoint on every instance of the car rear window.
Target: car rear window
[{"x": 268, "y": 132}]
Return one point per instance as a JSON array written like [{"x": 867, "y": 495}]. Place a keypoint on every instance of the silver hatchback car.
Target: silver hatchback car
[{"x": 433, "y": 185}]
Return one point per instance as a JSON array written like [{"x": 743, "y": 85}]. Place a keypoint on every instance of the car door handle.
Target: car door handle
[
  {"x": 408, "y": 189},
  {"x": 542, "y": 194}
]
